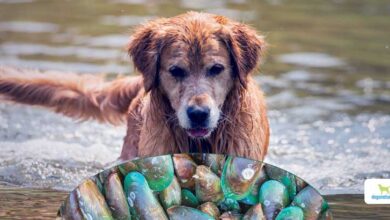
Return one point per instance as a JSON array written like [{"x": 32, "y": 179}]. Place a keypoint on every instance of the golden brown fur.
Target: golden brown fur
[{"x": 151, "y": 103}]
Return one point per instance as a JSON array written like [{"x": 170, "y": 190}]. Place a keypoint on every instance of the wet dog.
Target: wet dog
[{"x": 195, "y": 92}]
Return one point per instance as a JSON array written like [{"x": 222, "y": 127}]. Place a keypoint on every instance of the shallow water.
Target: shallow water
[{"x": 326, "y": 76}]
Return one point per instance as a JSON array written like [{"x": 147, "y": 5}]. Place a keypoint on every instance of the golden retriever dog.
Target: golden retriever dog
[{"x": 195, "y": 92}]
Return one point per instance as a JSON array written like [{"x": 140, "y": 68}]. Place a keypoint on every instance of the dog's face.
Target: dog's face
[
  {"x": 195, "y": 60},
  {"x": 196, "y": 85}
]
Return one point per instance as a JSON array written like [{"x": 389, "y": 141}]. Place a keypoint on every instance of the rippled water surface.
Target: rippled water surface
[{"x": 326, "y": 76}]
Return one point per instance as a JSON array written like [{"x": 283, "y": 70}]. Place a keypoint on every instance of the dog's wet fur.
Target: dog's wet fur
[{"x": 195, "y": 92}]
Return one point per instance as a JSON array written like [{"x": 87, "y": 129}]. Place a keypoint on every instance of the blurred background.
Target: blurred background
[{"x": 326, "y": 77}]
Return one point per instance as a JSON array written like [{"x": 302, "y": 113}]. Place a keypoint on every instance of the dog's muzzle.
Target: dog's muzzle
[{"x": 199, "y": 118}]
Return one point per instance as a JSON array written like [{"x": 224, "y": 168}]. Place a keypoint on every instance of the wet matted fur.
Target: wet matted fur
[{"x": 154, "y": 104}]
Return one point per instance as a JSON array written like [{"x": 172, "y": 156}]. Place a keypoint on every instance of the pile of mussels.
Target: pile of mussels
[{"x": 194, "y": 186}]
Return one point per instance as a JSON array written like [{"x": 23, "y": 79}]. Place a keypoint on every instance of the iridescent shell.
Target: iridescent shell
[
  {"x": 228, "y": 204},
  {"x": 239, "y": 176},
  {"x": 253, "y": 197},
  {"x": 142, "y": 202},
  {"x": 215, "y": 162},
  {"x": 71, "y": 209},
  {"x": 230, "y": 216},
  {"x": 189, "y": 199},
  {"x": 284, "y": 177},
  {"x": 115, "y": 197},
  {"x": 127, "y": 167},
  {"x": 254, "y": 213},
  {"x": 210, "y": 208},
  {"x": 91, "y": 201},
  {"x": 207, "y": 185},
  {"x": 273, "y": 197},
  {"x": 310, "y": 201},
  {"x": 171, "y": 195},
  {"x": 185, "y": 169},
  {"x": 290, "y": 213},
  {"x": 183, "y": 212},
  {"x": 158, "y": 171}
]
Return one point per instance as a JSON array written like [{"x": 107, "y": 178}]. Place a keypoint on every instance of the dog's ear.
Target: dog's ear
[
  {"x": 245, "y": 46},
  {"x": 144, "y": 49}
]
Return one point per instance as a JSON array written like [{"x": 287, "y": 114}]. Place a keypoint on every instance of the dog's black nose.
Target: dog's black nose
[{"x": 198, "y": 115}]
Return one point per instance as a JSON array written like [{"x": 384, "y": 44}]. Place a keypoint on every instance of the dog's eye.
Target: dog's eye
[
  {"x": 215, "y": 70},
  {"x": 177, "y": 72}
]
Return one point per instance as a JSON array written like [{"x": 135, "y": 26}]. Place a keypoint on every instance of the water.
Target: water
[{"x": 326, "y": 76}]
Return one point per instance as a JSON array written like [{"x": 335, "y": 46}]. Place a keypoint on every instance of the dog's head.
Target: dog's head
[{"x": 195, "y": 60}]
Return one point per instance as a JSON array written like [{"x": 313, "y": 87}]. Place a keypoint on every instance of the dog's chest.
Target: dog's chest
[{"x": 202, "y": 146}]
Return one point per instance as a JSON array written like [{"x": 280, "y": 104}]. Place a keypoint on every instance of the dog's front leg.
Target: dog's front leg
[
  {"x": 130, "y": 145},
  {"x": 134, "y": 124}
]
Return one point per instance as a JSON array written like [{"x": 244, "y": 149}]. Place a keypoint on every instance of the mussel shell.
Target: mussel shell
[
  {"x": 230, "y": 216},
  {"x": 98, "y": 183},
  {"x": 198, "y": 158},
  {"x": 284, "y": 177},
  {"x": 171, "y": 195},
  {"x": 310, "y": 201},
  {"x": 273, "y": 197},
  {"x": 207, "y": 185},
  {"x": 239, "y": 176},
  {"x": 254, "y": 213},
  {"x": 189, "y": 199},
  {"x": 105, "y": 173},
  {"x": 158, "y": 171},
  {"x": 290, "y": 213},
  {"x": 326, "y": 215},
  {"x": 142, "y": 202},
  {"x": 300, "y": 183},
  {"x": 184, "y": 212},
  {"x": 185, "y": 169},
  {"x": 210, "y": 208},
  {"x": 127, "y": 167},
  {"x": 253, "y": 197},
  {"x": 325, "y": 205},
  {"x": 215, "y": 162},
  {"x": 91, "y": 201},
  {"x": 70, "y": 209},
  {"x": 115, "y": 197},
  {"x": 228, "y": 204}
]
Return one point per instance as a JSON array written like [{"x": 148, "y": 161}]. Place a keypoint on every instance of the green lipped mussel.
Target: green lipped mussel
[
  {"x": 207, "y": 185},
  {"x": 273, "y": 197},
  {"x": 185, "y": 169},
  {"x": 253, "y": 197},
  {"x": 115, "y": 197},
  {"x": 189, "y": 199},
  {"x": 158, "y": 171},
  {"x": 290, "y": 213},
  {"x": 228, "y": 204},
  {"x": 310, "y": 201},
  {"x": 254, "y": 213},
  {"x": 284, "y": 177},
  {"x": 230, "y": 215},
  {"x": 183, "y": 212},
  {"x": 91, "y": 202},
  {"x": 142, "y": 202},
  {"x": 210, "y": 208},
  {"x": 239, "y": 176},
  {"x": 171, "y": 195}
]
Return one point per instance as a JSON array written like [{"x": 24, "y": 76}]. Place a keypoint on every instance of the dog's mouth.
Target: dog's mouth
[{"x": 198, "y": 132}]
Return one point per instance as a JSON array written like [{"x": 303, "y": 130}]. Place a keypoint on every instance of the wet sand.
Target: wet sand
[{"x": 23, "y": 203}]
